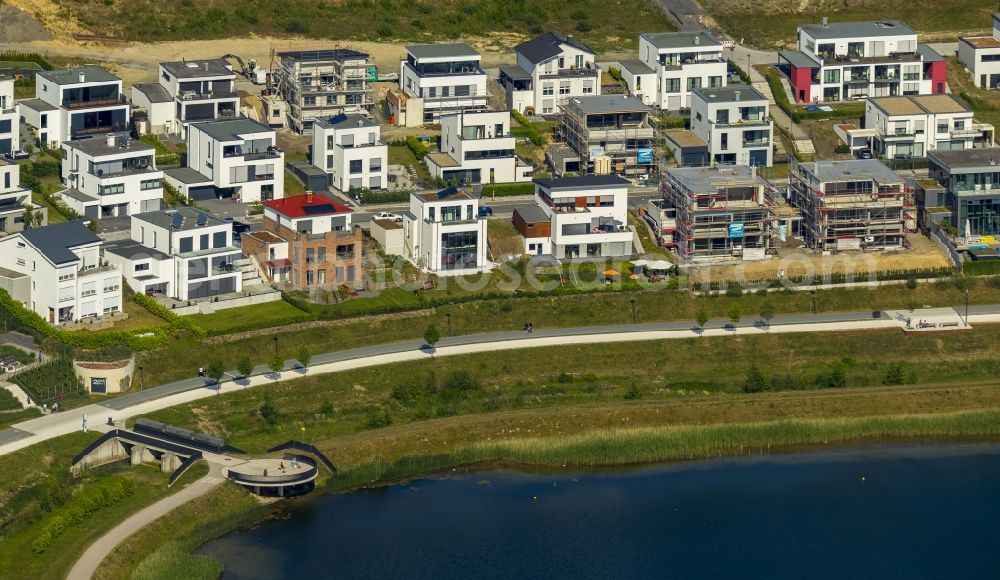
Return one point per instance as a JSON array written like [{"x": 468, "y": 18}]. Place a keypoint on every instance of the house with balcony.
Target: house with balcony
[
  {"x": 911, "y": 127},
  {"x": 843, "y": 61},
  {"x": 444, "y": 233},
  {"x": 971, "y": 182},
  {"x": 110, "y": 176},
  {"x": 477, "y": 148},
  {"x": 857, "y": 204},
  {"x": 198, "y": 90},
  {"x": 76, "y": 103},
  {"x": 15, "y": 201},
  {"x": 671, "y": 65},
  {"x": 981, "y": 55},
  {"x": 10, "y": 125},
  {"x": 235, "y": 158},
  {"x": 610, "y": 134},
  {"x": 308, "y": 241},
  {"x": 550, "y": 68},
  {"x": 183, "y": 254},
  {"x": 319, "y": 84},
  {"x": 59, "y": 273},
  {"x": 720, "y": 214},
  {"x": 349, "y": 148},
  {"x": 587, "y": 215},
  {"x": 446, "y": 78},
  {"x": 734, "y": 122}
]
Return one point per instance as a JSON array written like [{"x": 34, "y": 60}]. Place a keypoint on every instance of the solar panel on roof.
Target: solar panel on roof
[
  {"x": 318, "y": 209},
  {"x": 202, "y": 219},
  {"x": 177, "y": 221}
]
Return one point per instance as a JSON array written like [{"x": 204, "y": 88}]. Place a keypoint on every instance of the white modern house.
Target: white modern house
[
  {"x": 182, "y": 253},
  {"x": 733, "y": 121},
  {"x": 549, "y": 68},
  {"x": 842, "y": 61},
  {"x": 675, "y": 63},
  {"x": 981, "y": 55},
  {"x": 349, "y": 148},
  {"x": 588, "y": 216},
  {"x": 10, "y": 133},
  {"x": 477, "y": 148},
  {"x": 75, "y": 103},
  {"x": 237, "y": 157},
  {"x": 197, "y": 90},
  {"x": 907, "y": 127},
  {"x": 110, "y": 176},
  {"x": 14, "y": 200},
  {"x": 446, "y": 78},
  {"x": 443, "y": 232},
  {"x": 58, "y": 272}
]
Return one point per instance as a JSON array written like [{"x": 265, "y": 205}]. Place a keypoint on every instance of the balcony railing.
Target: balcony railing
[
  {"x": 195, "y": 96},
  {"x": 269, "y": 154},
  {"x": 99, "y": 130},
  {"x": 94, "y": 103},
  {"x": 743, "y": 123},
  {"x": 571, "y": 72},
  {"x": 755, "y": 142},
  {"x": 103, "y": 268},
  {"x": 690, "y": 62}
]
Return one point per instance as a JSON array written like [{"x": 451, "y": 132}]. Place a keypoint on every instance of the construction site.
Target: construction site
[
  {"x": 851, "y": 205},
  {"x": 721, "y": 213},
  {"x": 609, "y": 133}
]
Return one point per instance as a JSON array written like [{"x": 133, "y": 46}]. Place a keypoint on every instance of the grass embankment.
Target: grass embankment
[
  {"x": 255, "y": 316},
  {"x": 772, "y": 23}
]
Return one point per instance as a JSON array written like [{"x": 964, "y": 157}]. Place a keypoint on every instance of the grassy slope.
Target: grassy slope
[
  {"x": 220, "y": 321},
  {"x": 773, "y": 22},
  {"x": 596, "y": 21}
]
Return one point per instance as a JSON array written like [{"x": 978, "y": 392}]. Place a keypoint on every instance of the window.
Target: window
[
  {"x": 548, "y": 88},
  {"x": 151, "y": 184},
  {"x": 694, "y": 83},
  {"x": 185, "y": 244},
  {"x": 564, "y": 88},
  {"x": 112, "y": 189},
  {"x": 672, "y": 86},
  {"x": 831, "y": 76},
  {"x": 329, "y": 161},
  {"x": 219, "y": 240},
  {"x": 562, "y": 62},
  {"x": 138, "y": 268},
  {"x": 942, "y": 127},
  {"x": 329, "y": 141},
  {"x": 715, "y": 82},
  {"x": 331, "y": 99},
  {"x": 356, "y": 166},
  {"x": 579, "y": 61},
  {"x": 991, "y": 58},
  {"x": 203, "y": 242},
  {"x": 724, "y": 141},
  {"x": 309, "y": 101},
  {"x": 463, "y": 90},
  {"x": 588, "y": 87},
  {"x": 432, "y": 92},
  {"x": 445, "y": 91},
  {"x": 375, "y": 164}
]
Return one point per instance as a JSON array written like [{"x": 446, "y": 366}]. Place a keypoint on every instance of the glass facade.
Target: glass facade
[{"x": 459, "y": 250}]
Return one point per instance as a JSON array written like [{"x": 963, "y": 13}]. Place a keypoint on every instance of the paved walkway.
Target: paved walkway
[{"x": 87, "y": 564}]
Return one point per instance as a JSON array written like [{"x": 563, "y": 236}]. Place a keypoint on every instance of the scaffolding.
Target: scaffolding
[
  {"x": 723, "y": 213},
  {"x": 851, "y": 205},
  {"x": 613, "y": 126},
  {"x": 318, "y": 84}
]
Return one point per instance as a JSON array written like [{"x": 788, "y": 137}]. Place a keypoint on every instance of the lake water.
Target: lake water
[{"x": 870, "y": 512}]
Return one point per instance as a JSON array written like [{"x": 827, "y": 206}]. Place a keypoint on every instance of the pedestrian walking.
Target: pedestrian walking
[{"x": 201, "y": 371}]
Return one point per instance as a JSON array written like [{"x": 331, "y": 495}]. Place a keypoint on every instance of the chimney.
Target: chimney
[
  {"x": 83, "y": 78},
  {"x": 111, "y": 140},
  {"x": 736, "y": 94},
  {"x": 309, "y": 197},
  {"x": 825, "y": 21},
  {"x": 697, "y": 39}
]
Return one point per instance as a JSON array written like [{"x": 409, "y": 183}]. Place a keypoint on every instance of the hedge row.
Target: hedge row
[
  {"x": 529, "y": 131},
  {"x": 981, "y": 267},
  {"x": 508, "y": 189},
  {"x": 834, "y": 278},
  {"x": 174, "y": 322},
  {"x": 369, "y": 196},
  {"x": 416, "y": 146},
  {"x": 83, "y": 505},
  {"x": 27, "y": 57}
]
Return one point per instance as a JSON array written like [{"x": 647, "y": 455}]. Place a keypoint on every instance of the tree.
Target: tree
[
  {"x": 735, "y": 313},
  {"x": 32, "y": 217},
  {"x": 268, "y": 411},
  {"x": 701, "y": 317},
  {"x": 767, "y": 312},
  {"x": 754, "y": 382},
  {"x": 431, "y": 335},
  {"x": 276, "y": 364},
  {"x": 304, "y": 356},
  {"x": 244, "y": 366},
  {"x": 215, "y": 370}
]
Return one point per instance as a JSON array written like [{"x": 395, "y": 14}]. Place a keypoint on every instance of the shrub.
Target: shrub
[
  {"x": 369, "y": 196},
  {"x": 733, "y": 290},
  {"x": 911, "y": 283},
  {"x": 531, "y": 132},
  {"x": 416, "y": 146},
  {"x": 268, "y": 411},
  {"x": 841, "y": 148},
  {"x": 754, "y": 382},
  {"x": 508, "y": 189},
  {"x": 831, "y": 378},
  {"x": 377, "y": 416},
  {"x": 460, "y": 381}
]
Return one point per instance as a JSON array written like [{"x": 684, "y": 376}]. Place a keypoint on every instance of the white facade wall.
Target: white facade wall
[
  {"x": 159, "y": 116},
  {"x": 926, "y": 132},
  {"x": 431, "y": 87},
  {"x": 675, "y": 78},
  {"x": 426, "y": 230},
  {"x": 141, "y": 191},
  {"x": 52, "y": 94},
  {"x": 334, "y": 148},
  {"x": 983, "y": 63},
  {"x": 554, "y": 80},
  {"x": 493, "y": 134},
  {"x": 10, "y": 133},
  {"x": 573, "y": 245},
  {"x": 205, "y": 155},
  {"x": 745, "y": 139}
]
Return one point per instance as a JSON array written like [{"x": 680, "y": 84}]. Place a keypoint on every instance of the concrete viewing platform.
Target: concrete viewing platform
[
  {"x": 929, "y": 319},
  {"x": 279, "y": 477}
]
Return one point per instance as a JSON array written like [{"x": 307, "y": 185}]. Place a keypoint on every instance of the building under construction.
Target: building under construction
[
  {"x": 858, "y": 204},
  {"x": 722, "y": 213},
  {"x": 318, "y": 84},
  {"x": 609, "y": 133}
]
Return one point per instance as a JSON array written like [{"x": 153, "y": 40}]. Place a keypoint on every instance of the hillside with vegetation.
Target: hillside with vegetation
[
  {"x": 768, "y": 23},
  {"x": 612, "y": 23}
]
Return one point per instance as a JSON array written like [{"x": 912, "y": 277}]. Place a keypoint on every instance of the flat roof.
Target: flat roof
[
  {"x": 165, "y": 218},
  {"x": 515, "y": 72},
  {"x": 265, "y": 236},
  {"x": 187, "y": 176},
  {"x": 38, "y": 105},
  {"x": 897, "y": 106},
  {"x": 597, "y": 104},
  {"x": 941, "y": 103},
  {"x": 852, "y": 169},
  {"x": 387, "y": 224},
  {"x": 212, "y": 67},
  {"x": 442, "y": 50},
  {"x": 798, "y": 59},
  {"x": 443, "y": 159},
  {"x": 444, "y": 195},
  {"x": 327, "y": 54},
  {"x": 77, "y": 195},
  {"x": 11, "y": 274},
  {"x": 981, "y": 41},
  {"x": 667, "y": 40},
  {"x": 131, "y": 249},
  {"x": 531, "y": 214},
  {"x": 347, "y": 121},
  {"x": 307, "y": 168},
  {"x": 578, "y": 181},
  {"x": 122, "y": 143},
  {"x": 968, "y": 158},
  {"x": 71, "y": 76},
  {"x": 858, "y": 29},
  {"x": 710, "y": 179},
  {"x": 307, "y": 205},
  {"x": 729, "y": 94},
  {"x": 636, "y": 67},
  {"x": 685, "y": 138},
  {"x": 154, "y": 92},
  {"x": 231, "y": 129}
]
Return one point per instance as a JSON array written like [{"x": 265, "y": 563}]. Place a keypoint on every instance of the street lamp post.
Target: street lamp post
[
  {"x": 813, "y": 292},
  {"x": 275, "y": 338},
  {"x": 448, "y": 316},
  {"x": 967, "y": 307},
  {"x": 633, "y": 312},
  {"x": 142, "y": 385}
]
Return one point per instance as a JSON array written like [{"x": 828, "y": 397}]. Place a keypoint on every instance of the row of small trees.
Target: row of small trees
[
  {"x": 735, "y": 314},
  {"x": 216, "y": 368}
]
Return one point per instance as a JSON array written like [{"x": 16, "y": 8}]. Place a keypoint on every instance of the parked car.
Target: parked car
[
  {"x": 485, "y": 211},
  {"x": 860, "y": 97},
  {"x": 863, "y": 154},
  {"x": 385, "y": 215},
  {"x": 15, "y": 155}
]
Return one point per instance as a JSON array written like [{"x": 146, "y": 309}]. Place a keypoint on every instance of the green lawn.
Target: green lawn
[
  {"x": 255, "y": 316},
  {"x": 401, "y": 155},
  {"x": 292, "y": 185}
]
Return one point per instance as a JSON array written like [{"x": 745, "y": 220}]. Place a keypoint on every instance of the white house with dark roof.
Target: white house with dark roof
[
  {"x": 588, "y": 215},
  {"x": 14, "y": 199},
  {"x": 981, "y": 55},
  {"x": 153, "y": 106},
  {"x": 447, "y": 77},
  {"x": 349, "y": 148},
  {"x": 69, "y": 278},
  {"x": 682, "y": 61},
  {"x": 110, "y": 176},
  {"x": 550, "y": 68},
  {"x": 444, "y": 233},
  {"x": 238, "y": 156},
  {"x": 477, "y": 148},
  {"x": 76, "y": 103},
  {"x": 734, "y": 122},
  {"x": 10, "y": 128},
  {"x": 201, "y": 90}
]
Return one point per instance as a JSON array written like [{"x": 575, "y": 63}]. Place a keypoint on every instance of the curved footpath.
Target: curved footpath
[{"x": 47, "y": 427}]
